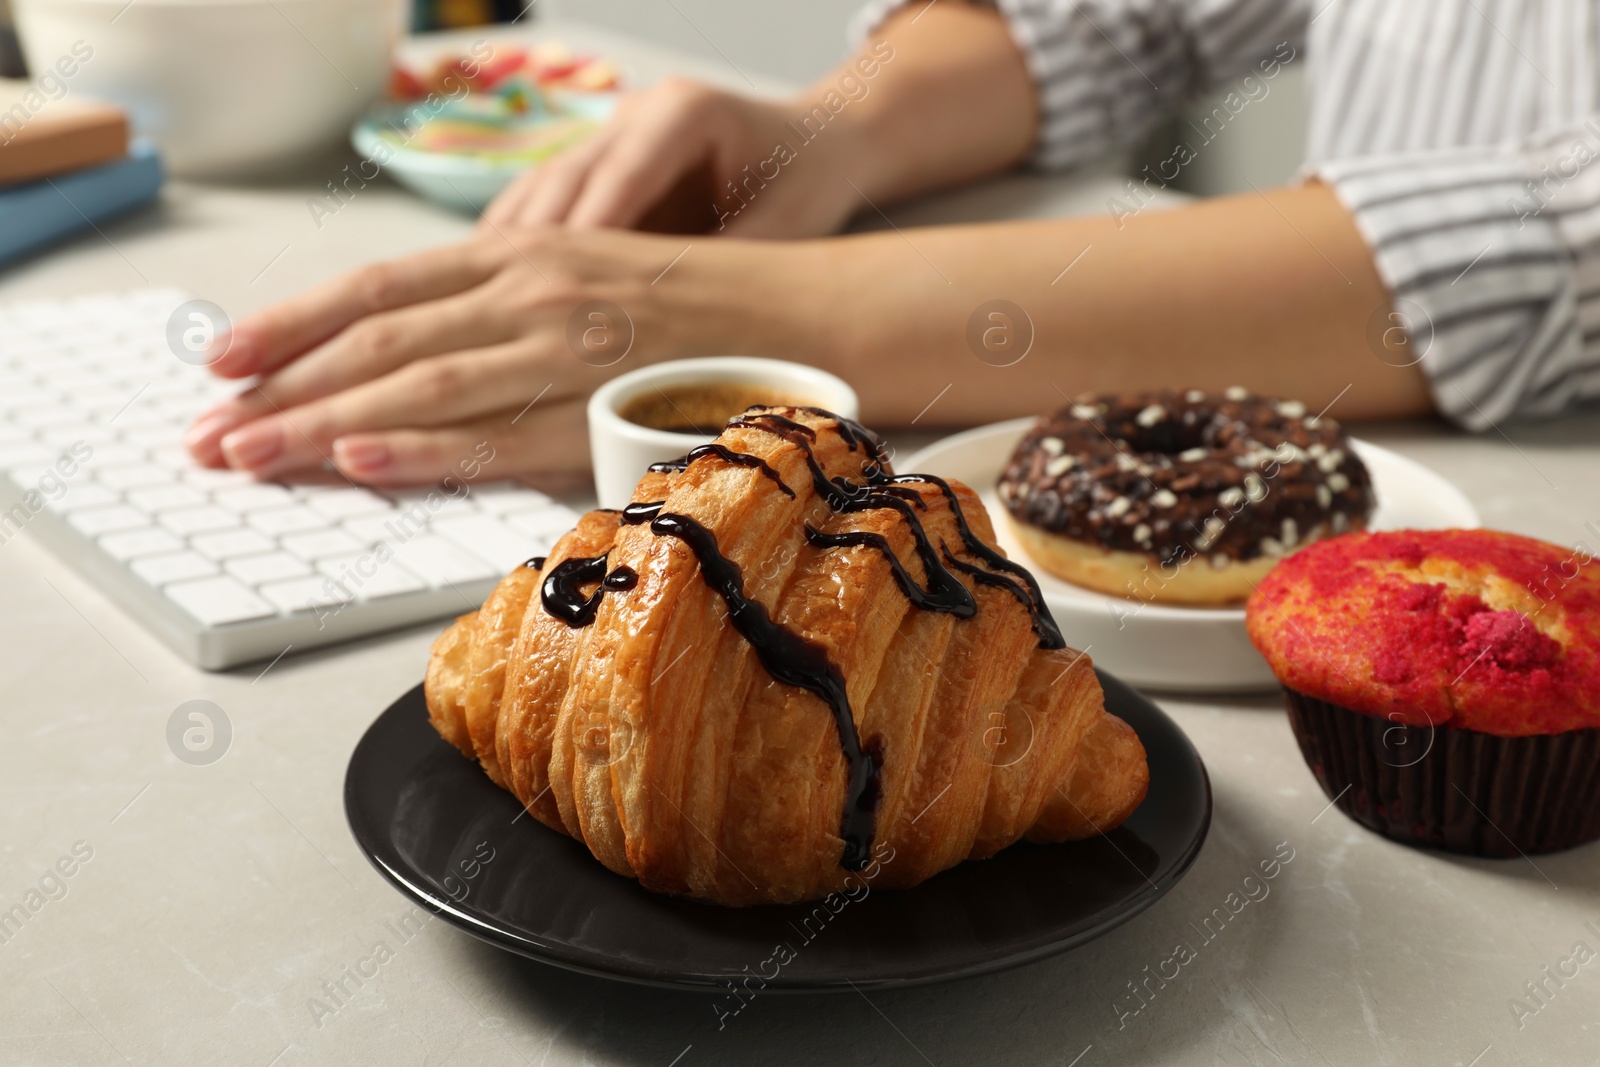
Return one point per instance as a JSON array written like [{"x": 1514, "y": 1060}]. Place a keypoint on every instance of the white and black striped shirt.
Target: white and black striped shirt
[{"x": 1462, "y": 135}]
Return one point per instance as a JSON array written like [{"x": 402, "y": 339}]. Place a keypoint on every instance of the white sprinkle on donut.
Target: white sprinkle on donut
[
  {"x": 1237, "y": 392},
  {"x": 1151, "y": 415},
  {"x": 1193, "y": 455},
  {"x": 1340, "y": 522},
  {"x": 1118, "y": 507},
  {"x": 1291, "y": 533},
  {"x": 1194, "y": 396},
  {"x": 1084, "y": 411},
  {"x": 1232, "y": 499},
  {"x": 1324, "y": 496},
  {"x": 1213, "y": 530},
  {"x": 1141, "y": 533},
  {"x": 1220, "y": 562},
  {"x": 1164, "y": 498},
  {"x": 1271, "y": 546},
  {"x": 1291, "y": 409},
  {"x": 1254, "y": 488},
  {"x": 1331, "y": 461},
  {"x": 1338, "y": 482},
  {"x": 1051, "y": 446},
  {"x": 1060, "y": 465},
  {"x": 1317, "y": 450}
]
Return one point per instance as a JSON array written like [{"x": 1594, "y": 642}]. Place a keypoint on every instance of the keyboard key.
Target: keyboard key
[
  {"x": 368, "y": 579},
  {"x": 504, "y": 498},
  {"x": 88, "y": 432},
  {"x": 439, "y": 562},
  {"x": 172, "y": 457},
  {"x": 268, "y": 567},
  {"x": 491, "y": 539},
  {"x": 173, "y": 567},
  {"x": 253, "y": 497},
  {"x": 82, "y": 495},
  {"x": 178, "y": 410},
  {"x": 320, "y": 545},
  {"x": 220, "y": 546},
  {"x": 132, "y": 475},
  {"x": 187, "y": 521},
  {"x": 278, "y": 521},
  {"x": 23, "y": 399},
  {"x": 345, "y": 503},
  {"x": 151, "y": 436},
  {"x": 303, "y": 594},
  {"x": 206, "y": 478},
  {"x": 134, "y": 543},
  {"x": 16, "y": 455},
  {"x": 27, "y": 475},
  {"x": 97, "y": 521},
  {"x": 110, "y": 455},
  {"x": 161, "y": 387},
  {"x": 217, "y": 601},
  {"x": 166, "y": 497},
  {"x": 544, "y": 528},
  {"x": 371, "y": 529},
  {"x": 46, "y": 416}
]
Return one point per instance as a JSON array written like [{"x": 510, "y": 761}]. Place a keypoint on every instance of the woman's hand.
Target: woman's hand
[
  {"x": 682, "y": 157},
  {"x": 398, "y": 371}
]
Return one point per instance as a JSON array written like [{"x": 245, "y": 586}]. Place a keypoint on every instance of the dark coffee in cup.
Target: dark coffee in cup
[{"x": 700, "y": 407}]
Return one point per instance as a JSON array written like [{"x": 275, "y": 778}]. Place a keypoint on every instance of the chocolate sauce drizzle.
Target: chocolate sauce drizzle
[
  {"x": 938, "y": 597},
  {"x": 1043, "y": 623},
  {"x": 793, "y": 660},
  {"x": 536, "y": 563},
  {"x": 759, "y": 421},
  {"x": 560, "y": 592},
  {"x": 743, "y": 459},
  {"x": 641, "y": 513},
  {"x": 620, "y": 580}
]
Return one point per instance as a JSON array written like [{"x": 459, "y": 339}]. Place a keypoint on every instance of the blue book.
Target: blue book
[{"x": 35, "y": 214}]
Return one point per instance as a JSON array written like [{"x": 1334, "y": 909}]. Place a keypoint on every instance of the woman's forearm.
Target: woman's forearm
[
  {"x": 937, "y": 96},
  {"x": 1275, "y": 292}
]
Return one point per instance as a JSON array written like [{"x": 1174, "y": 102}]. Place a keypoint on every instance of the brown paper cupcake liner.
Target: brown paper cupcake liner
[{"x": 1453, "y": 789}]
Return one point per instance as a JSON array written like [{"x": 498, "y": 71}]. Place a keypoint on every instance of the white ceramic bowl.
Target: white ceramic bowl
[
  {"x": 222, "y": 86},
  {"x": 621, "y": 450},
  {"x": 461, "y": 181}
]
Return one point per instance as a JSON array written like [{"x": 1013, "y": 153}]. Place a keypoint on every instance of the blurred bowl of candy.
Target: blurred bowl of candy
[
  {"x": 458, "y": 131},
  {"x": 224, "y": 87}
]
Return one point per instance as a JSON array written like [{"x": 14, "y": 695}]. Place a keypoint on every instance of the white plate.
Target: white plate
[{"x": 1171, "y": 647}]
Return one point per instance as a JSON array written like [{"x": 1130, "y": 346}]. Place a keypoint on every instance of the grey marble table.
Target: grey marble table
[{"x": 222, "y": 913}]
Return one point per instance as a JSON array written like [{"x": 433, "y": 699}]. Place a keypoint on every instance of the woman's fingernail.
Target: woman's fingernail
[
  {"x": 210, "y": 425},
  {"x": 352, "y": 453},
  {"x": 254, "y": 446},
  {"x": 233, "y": 352}
]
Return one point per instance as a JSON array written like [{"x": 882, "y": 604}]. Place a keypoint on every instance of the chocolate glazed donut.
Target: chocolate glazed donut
[{"x": 1181, "y": 497}]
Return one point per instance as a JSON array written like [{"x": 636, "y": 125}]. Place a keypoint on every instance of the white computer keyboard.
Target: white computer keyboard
[{"x": 226, "y": 569}]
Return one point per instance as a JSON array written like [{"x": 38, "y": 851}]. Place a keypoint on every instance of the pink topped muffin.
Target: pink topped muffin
[{"x": 1444, "y": 685}]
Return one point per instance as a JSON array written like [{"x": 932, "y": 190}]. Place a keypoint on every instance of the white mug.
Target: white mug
[{"x": 621, "y": 450}]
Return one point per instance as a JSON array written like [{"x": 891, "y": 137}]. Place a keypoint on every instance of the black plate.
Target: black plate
[{"x": 424, "y": 815}]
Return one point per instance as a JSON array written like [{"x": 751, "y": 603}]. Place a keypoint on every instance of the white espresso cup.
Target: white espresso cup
[{"x": 621, "y": 450}]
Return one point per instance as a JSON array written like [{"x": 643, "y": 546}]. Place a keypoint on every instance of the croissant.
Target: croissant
[{"x": 780, "y": 671}]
